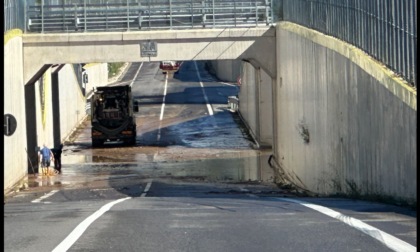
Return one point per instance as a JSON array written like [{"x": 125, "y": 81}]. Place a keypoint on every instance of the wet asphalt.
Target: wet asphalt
[
  {"x": 185, "y": 129},
  {"x": 194, "y": 181}
]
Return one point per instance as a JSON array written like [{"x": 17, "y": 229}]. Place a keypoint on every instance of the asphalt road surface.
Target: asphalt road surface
[{"x": 194, "y": 181}]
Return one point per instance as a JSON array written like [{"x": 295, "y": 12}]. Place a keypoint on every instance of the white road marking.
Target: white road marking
[
  {"x": 44, "y": 197},
  {"x": 135, "y": 76},
  {"x": 228, "y": 84},
  {"x": 202, "y": 89},
  {"x": 164, "y": 97},
  {"x": 146, "y": 189},
  {"x": 388, "y": 240},
  {"x": 207, "y": 100},
  {"x": 81, "y": 228},
  {"x": 163, "y": 107}
]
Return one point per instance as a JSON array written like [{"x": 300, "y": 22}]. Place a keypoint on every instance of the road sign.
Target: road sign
[
  {"x": 10, "y": 124},
  {"x": 148, "y": 49}
]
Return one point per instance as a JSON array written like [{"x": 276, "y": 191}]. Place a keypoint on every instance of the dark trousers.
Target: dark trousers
[
  {"x": 57, "y": 163},
  {"x": 45, "y": 162}
]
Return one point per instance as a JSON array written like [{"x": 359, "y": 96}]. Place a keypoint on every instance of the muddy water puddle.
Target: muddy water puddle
[{"x": 87, "y": 166}]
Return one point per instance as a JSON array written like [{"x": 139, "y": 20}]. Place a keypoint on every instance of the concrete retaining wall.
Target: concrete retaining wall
[
  {"x": 36, "y": 107},
  {"x": 248, "y": 99},
  {"x": 44, "y": 114},
  {"x": 15, "y": 157},
  {"x": 344, "y": 124},
  {"x": 97, "y": 74},
  {"x": 255, "y": 103},
  {"x": 265, "y": 134},
  {"x": 72, "y": 102},
  {"x": 227, "y": 70}
]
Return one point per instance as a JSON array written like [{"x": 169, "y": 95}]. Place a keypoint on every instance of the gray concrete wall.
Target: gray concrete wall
[
  {"x": 72, "y": 101},
  {"x": 248, "y": 99},
  {"x": 98, "y": 75},
  {"x": 265, "y": 86},
  {"x": 15, "y": 157},
  {"x": 33, "y": 106},
  {"x": 227, "y": 70},
  {"x": 44, "y": 115},
  {"x": 344, "y": 124},
  {"x": 255, "y": 103}
]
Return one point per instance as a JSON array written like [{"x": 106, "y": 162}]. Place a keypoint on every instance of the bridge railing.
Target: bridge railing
[
  {"x": 146, "y": 15},
  {"x": 385, "y": 29},
  {"x": 13, "y": 11}
]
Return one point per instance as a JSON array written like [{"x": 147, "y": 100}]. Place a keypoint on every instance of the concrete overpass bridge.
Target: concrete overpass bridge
[
  {"x": 156, "y": 30},
  {"x": 340, "y": 120},
  {"x": 256, "y": 45}
]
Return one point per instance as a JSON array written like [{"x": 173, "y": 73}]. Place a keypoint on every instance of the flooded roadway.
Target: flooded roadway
[
  {"x": 212, "y": 189},
  {"x": 184, "y": 131}
]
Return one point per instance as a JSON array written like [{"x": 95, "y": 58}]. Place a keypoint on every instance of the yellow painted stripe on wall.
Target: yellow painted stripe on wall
[
  {"x": 11, "y": 34},
  {"x": 46, "y": 89},
  {"x": 90, "y": 65}
]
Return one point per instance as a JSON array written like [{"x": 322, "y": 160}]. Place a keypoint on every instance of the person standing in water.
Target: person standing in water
[{"x": 45, "y": 156}]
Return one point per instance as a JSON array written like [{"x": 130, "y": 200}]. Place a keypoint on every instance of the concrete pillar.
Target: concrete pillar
[
  {"x": 55, "y": 91},
  {"x": 265, "y": 108},
  {"x": 31, "y": 136}
]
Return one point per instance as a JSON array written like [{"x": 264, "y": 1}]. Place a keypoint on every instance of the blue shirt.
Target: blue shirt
[{"x": 45, "y": 152}]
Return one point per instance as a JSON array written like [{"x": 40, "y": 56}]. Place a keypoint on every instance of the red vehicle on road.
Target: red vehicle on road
[{"x": 169, "y": 65}]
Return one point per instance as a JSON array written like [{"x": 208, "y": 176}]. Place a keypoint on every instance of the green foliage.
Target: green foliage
[{"x": 114, "y": 68}]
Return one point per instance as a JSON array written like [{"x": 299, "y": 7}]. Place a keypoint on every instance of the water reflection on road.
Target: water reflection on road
[
  {"x": 177, "y": 137},
  {"x": 209, "y": 165}
]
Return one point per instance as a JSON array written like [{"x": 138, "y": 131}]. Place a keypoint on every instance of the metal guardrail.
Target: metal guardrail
[
  {"x": 13, "y": 14},
  {"x": 385, "y": 29},
  {"x": 147, "y": 15},
  {"x": 233, "y": 103}
]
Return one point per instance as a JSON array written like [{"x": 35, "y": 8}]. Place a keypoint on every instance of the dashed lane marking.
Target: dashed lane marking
[
  {"x": 146, "y": 189},
  {"x": 162, "y": 109}
]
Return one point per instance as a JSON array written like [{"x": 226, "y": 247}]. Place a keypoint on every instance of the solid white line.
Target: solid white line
[
  {"x": 164, "y": 97},
  {"x": 44, "y": 197},
  {"x": 135, "y": 76},
  {"x": 146, "y": 189},
  {"x": 207, "y": 100},
  {"x": 81, "y": 228},
  {"x": 202, "y": 89},
  {"x": 388, "y": 240},
  {"x": 159, "y": 132},
  {"x": 163, "y": 107}
]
